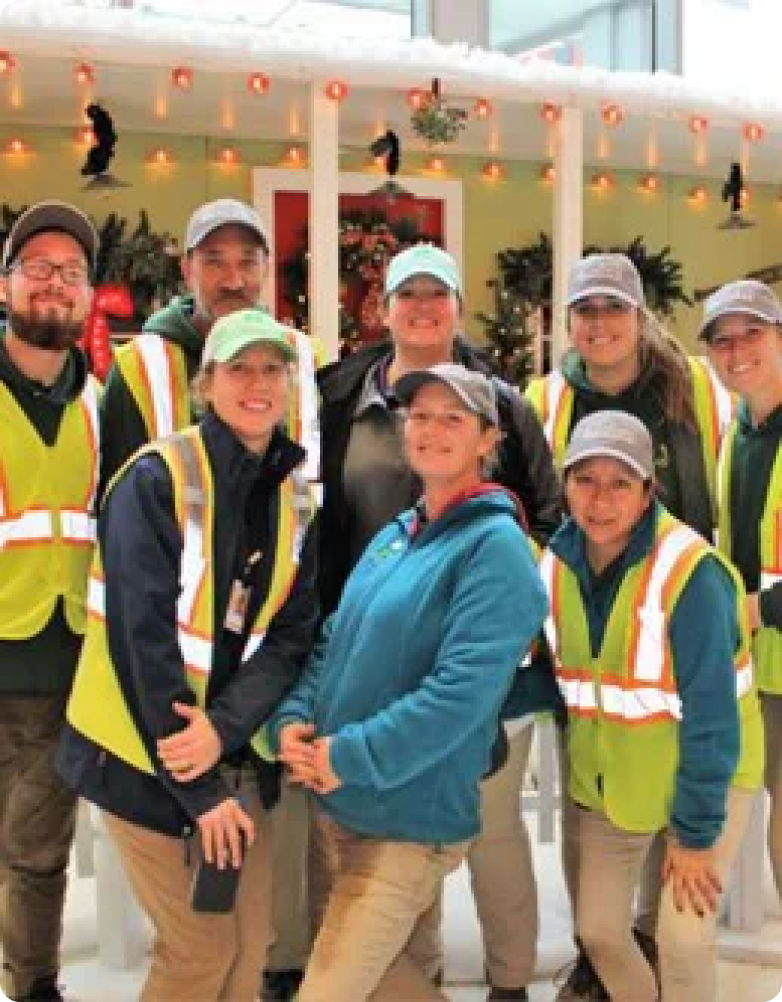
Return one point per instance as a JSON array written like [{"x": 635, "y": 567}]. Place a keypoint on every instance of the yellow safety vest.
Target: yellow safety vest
[
  {"x": 624, "y": 708},
  {"x": 552, "y": 397},
  {"x": 767, "y": 641},
  {"x": 47, "y": 523},
  {"x": 97, "y": 707},
  {"x": 155, "y": 372}
]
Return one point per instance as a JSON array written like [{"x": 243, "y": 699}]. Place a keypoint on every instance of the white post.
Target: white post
[
  {"x": 324, "y": 219},
  {"x": 568, "y": 216}
]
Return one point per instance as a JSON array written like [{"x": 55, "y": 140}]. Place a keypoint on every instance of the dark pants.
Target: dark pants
[{"x": 37, "y": 818}]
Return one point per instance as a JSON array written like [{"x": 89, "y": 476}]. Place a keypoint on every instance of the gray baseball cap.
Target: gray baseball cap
[
  {"x": 605, "y": 275},
  {"x": 615, "y": 434},
  {"x": 223, "y": 212},
  {"x": 475, "y": 390},
  {"x": 744, "y": 296},
  {"x": 51, "y": 216}
]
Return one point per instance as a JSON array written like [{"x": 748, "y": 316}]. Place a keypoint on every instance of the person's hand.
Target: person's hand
[
  {"x": 297, "y": 752},
  {"x": 693, "y": 876},
  {"x": 190, "y": 753},
  {"x": 753, "y": 611},
  {"x": 225, "y": 831},
  {"x": 326, "y": 780}
]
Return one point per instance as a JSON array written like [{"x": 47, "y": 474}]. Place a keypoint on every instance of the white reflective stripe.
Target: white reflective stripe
[
  {"x": 254, "y": 643},
  {"x": 155, "y": 359},
  {"x": 96, "y": 597},
  {"x": 191, "y": 572},
  {"x": 307, "y": 404},
  {"x": 78, "y": 525},
  {"x": 639, "y": 704},
  {"x": 579, "y": 694},
  {"x": 744, "y": 678},
  {"x": 769, "y": 578},
  {"x": 555, "y": 387},
  {"x": 722, "y": 397},
  {"x": 546, "y": 570},
  {"x": 196, "y": 650},
  {"x": 89, "y": 399},
  {"x": 650, "y": 654},
  {"x": 25, "y": 528}
]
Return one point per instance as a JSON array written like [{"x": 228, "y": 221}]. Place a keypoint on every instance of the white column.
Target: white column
[
  {"x": 568, "y": 216},
  {"x": 324, "y": 219}
]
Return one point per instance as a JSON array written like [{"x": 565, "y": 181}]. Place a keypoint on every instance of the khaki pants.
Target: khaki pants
[
  {"x": 380, "y": 892},
  {"x": 196, "y": 956},
  {"x": 290, "y": 821},
  {"x": 503, "y": 881},
  {"x": 37, "y": 819},
  {"x": 610, "y": 863},
  {"x": 771, "y": 705}
]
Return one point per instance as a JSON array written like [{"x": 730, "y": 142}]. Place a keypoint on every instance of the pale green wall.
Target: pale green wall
[{"x": 498, "y": 214}]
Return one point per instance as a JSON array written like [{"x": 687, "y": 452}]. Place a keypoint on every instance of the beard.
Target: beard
[{"x": 46, "y": 331}]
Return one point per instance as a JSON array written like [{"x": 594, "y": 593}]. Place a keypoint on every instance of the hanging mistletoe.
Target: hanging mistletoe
[{"x": 435, "y": 120}]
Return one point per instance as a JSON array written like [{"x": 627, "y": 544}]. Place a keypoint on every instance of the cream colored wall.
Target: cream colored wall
[{"x": 498, "y": 214}]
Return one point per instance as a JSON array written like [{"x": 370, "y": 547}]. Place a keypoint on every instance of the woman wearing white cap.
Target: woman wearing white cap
[
  {"x": 742, "y": 327},
  {"x": 621, "y": 359},
  {"x": 664, "y": 735},
  {"x": 202, "y": 611},
  {"x": 404, "y": 692}
]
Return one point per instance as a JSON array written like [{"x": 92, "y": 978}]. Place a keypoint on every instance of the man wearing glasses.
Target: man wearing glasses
[{"x": 48, "y": 477}]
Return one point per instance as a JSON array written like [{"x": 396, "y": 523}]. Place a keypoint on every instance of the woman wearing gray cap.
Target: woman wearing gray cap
[
  {"x": 664, "y": 736},
  {"x": 403, "y": 694},
  {"x": 742, "y": 327},
  {"x": 621, "y": 359}
]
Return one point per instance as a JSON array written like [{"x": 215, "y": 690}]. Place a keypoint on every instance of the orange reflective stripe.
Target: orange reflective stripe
[
  {"x": 89, "y": 406},
  {"x": 157, "y": 373}
]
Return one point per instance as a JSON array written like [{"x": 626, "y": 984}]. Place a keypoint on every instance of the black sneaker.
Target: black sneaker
[
  {"x": 43, "y": 990},
  {"x": 508, "y": 995},
  {"x": 280, "y": 986},
  {"x": 582, "y": 982}
]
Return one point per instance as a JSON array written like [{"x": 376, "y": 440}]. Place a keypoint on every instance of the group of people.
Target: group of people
[{"x": 297, "y": 635}]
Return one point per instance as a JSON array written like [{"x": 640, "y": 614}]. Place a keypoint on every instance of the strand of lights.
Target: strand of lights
[
  {"x": 650, "y": 183},
  {"x": 697, "y": 124},
  {"x": 258, "y": 83},
  {"x": 436, "y": 164},
  {"x": 493, "y": 170},
  {"x": 416, "y": 98},
  {"x": 228, "y": 156},
  {"x": 84, "y": 75},
  {"x": 7, "y": 63},
  {"x": 336, "y": 90},
  {"x": 295, "y": 156},
  {"x": 698, "y": 195},
  {"x": 613, "y": 115},
  {"x": 483, "y": 108},
  {"x": 550, "y": 113},
  {"x": 161, "y": 157},
  {"x": 602, "y": 181},
  {"x": 548, "y": 173},
  {"x": 753, "y": 132},
  {"x": 17, "y": 146},
  {"x": 182, "y": 77}
]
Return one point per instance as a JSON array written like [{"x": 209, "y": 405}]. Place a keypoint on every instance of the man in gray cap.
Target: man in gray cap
[{"x": 49, "y": 459}]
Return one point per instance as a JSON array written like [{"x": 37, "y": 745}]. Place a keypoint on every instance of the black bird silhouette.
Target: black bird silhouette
[
  {"x": 733, "y": 187},
  {"x": 105, "y": 139},
  {"x": 387, "y": 146}
]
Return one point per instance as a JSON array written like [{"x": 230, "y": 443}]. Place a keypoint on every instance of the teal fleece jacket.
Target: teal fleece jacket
[
  {"x": 414, "y": 665},
  {"x": 704, "y": 635}
]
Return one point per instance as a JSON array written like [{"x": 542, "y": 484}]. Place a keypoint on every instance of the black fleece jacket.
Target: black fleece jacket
[{"x": 141, "y": 548}]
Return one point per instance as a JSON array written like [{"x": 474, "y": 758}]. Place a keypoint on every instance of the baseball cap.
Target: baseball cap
[
  {"x": 615, "y": 434},
  {"x": 475, "y": 390},
  {"x": 236, "y": 331},
  {"x": 605, "y": 275},
  {"x": 222, "y": 212},
  {"x": 423, "y": 259},
  {"x": 51, "y": 216},
  {"x": 744, "y": 296}
]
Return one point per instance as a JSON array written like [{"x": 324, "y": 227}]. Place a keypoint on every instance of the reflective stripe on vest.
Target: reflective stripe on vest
[
  {"x": 558, "y": 393},
  {"x": 649, "y": 691},
  {"x": 26, "y": 528},
  {"x": 721, "y": 407},
  {"x": 157, "y": 372},
  {"x": 303, "y": 424}
]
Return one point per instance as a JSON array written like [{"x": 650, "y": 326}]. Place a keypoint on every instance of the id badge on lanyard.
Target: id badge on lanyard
[{"x": 239, "y": 597}]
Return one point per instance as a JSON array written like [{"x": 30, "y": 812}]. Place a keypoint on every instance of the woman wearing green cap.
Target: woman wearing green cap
[
  {"x": 367, "y": 481},
  {"x": 202, "y": 611},
  {"x": 652, "y": 652},
  {"x": 742, "y": 327},
  {"x": 403, "y": 693}
]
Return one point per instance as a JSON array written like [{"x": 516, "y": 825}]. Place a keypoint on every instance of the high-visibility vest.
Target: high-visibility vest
[
  {"x": 155, "y": 372},
  {"x": 553, "y": 397},
  {"x": 624, "y": 708},
  {"x": 47, "y": 521},
  {"x": 767, "y": 641},
  {"x": 97, "y": 707}
]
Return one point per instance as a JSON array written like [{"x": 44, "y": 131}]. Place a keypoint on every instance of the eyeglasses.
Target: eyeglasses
[
  {"x": 39, "y": 269},
  {"x": 589, "y": 309},
  {"x": 722, "y": 344}
]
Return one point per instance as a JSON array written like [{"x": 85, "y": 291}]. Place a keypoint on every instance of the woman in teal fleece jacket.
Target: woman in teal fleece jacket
[{"x": 404, "y": 692}]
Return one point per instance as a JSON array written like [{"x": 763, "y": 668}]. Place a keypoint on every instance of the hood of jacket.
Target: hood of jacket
[{"x": 175, "y": 323}]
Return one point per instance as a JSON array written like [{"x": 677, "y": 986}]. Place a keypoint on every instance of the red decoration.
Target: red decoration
[
  {"x": 7, "y": 63},
  {"x": 108, "y": 300},
  {"x": 753, "y": 132},
  {"x": 483, "y": 108},
  {"x": 84, "y": 74},
  {"x": 493, "y": 170},
  {"x": 612, "y": 114},
  {"x": 550, "y": 112},
  {"x": 698, "y": 123},
  {"x": 257, "y": 83},
  {"x": 182, "y": 77},
  {"x": 416, "y": 97},
  {"x": 336, "y": 90}
]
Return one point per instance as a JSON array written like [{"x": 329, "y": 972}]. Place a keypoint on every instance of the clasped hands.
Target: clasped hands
[{"x": 307, "y": 758}]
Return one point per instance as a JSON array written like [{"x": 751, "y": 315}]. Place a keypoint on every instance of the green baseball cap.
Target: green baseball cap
[
  {"x": 236, "y": 331},
  {"x": 423, "y": 259}
]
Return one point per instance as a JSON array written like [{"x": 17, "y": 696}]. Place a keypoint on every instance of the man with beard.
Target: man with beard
[
  {"x": 147, "y": 396},
  {"x": 48, "y": 479}
]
